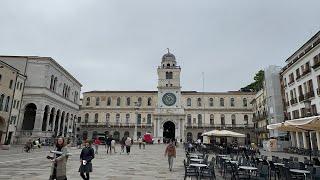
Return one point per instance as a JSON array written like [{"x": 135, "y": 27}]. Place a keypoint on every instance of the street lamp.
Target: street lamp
[
  {"x": 136, "y": 108},
  {"x": 307, "y": 104}
]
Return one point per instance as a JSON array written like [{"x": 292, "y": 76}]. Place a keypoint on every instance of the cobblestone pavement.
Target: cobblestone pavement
[{"x": 148, "y": 163}]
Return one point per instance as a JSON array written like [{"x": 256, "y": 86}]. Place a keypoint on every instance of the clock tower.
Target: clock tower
[{"x": 169, "y": 114}]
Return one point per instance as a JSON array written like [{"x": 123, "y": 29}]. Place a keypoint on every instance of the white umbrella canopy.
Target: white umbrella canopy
[
  {"x": 223, "y": 133},
  {"x": 298, "y": 125}
]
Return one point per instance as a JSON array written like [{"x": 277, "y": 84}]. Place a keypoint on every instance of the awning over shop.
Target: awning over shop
[
  {"x": 223, "y": 133},
  {"x": 298, "y": 125}
]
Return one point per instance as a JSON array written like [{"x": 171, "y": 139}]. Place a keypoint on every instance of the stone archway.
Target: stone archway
[
  {"x": 2, "y": 129},
  {"x": 169, "y": 130},
  {"x": 29, "y": 117}
]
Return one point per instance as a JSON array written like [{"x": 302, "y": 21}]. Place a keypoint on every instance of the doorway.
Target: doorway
[{"x": 168, "y": 131}]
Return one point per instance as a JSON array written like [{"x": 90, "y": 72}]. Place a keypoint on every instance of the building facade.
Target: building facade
[
  {"x": 11, "y": 88},
  {"x": 301, "y": 83},
  {"x": 168, "y": 112},
  {"x": 50, "y": 102}
]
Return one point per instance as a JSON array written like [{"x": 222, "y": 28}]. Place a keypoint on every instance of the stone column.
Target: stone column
[
  {"x": 64, "y": 124},
  {"x": 38, "y": 121},
  {"x": 54, "y": 122},
  {"x": 298, "y": 139},
  {"x": 155, "y": 127},
  {"x": 58, "y": 130},
  {"x": 305, "y": 141},
  {"x": 318, "y": 139},
  {"x": 293, "y": 139},
  {"x": 48, "y": 121}
]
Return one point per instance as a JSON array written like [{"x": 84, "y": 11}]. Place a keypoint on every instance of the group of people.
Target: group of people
[{"x": 61, "y": 154}]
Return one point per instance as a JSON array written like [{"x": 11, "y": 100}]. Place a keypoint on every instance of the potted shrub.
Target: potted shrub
[{"x": 6, "y": 145}]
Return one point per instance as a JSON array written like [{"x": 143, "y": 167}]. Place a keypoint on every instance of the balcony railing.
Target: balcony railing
[
  {"x": 301, "y": 98},
  {"x": 309, "y": 95},
  {"x": 220, "y": 126},
  {"x": 293, "y": 101},
  {"x": 315, "y": 66},
  {"x": 114, "y": 124}
]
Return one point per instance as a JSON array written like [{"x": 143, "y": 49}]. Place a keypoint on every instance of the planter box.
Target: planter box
[{"x": 5, "y": 147}]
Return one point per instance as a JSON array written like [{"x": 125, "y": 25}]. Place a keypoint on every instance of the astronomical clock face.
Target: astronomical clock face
[{"x": 169, "y": 99}]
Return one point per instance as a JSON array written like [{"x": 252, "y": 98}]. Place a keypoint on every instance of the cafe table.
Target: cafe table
[
  {"x": 299, "y": 171},
  {"x": 198, "y": 166},
  {"x": 248, "y": 168}
]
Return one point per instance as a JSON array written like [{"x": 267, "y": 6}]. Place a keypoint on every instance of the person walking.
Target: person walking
[
  {"x": 86, "y": 156},
  {"x": 122, "y": 142},
  {"x": 171, "y": 153},
  {"x": 108, "y": 143},
  {"x": 97, "y": 142},
  {"x": 59, "y": 161},
  {"x": 140, "y": 142},
  {"x": 128, "y": 145},
  {"x": 113, "y": 146}
]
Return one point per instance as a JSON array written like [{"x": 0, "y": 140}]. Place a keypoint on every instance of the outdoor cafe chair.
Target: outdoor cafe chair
[
  {"x": 189, "y": 171},
  {"x": 208, "y": 171},
  {"x": 315, "y": 173},
  {"x": 236, "y": 173},
  {"x": 263, "y": 172}
]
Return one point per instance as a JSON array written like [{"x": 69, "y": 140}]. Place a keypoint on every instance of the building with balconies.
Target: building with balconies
[{"x": 301, "y": 83}]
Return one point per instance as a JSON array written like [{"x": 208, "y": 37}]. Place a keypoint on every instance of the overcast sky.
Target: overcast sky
[{"x": 117, "y": 45}]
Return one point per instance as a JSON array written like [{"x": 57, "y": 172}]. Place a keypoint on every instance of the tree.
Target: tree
[{"x": 257, "y": 84}]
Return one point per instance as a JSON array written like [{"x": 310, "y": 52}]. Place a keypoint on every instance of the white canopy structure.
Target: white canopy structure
[
  {"x": 223, "y": 133},
  {"x": 298, "y": 125}
]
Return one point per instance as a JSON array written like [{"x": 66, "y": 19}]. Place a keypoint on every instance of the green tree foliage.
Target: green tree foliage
[{"x": 257, "y": 84}]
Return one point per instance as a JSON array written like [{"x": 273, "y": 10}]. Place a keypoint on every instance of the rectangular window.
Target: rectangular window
[{"x": 10, "y": 84}]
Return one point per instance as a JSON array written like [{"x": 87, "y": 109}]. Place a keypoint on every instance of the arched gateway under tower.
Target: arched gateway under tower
[{"x": 169, "y": 130}]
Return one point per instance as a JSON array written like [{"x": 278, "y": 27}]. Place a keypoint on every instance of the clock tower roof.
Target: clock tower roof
[{"x": 168, "y": 56}]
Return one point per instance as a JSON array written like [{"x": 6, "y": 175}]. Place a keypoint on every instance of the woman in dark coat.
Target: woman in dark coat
[
  {"x": 87, "y": 154},
  {"x": 59, "y": 161}
]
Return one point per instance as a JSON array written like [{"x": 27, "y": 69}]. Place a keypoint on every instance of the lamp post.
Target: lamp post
[
  {"x": 136, "y": 108},
  {"x": 307, "y": 104}
]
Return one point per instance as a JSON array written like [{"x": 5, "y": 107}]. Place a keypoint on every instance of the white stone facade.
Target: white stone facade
[
  {"x": 301, "y": 82},
  {"x": 50, "y": 103},
  {"x": 190, "y": 113}
]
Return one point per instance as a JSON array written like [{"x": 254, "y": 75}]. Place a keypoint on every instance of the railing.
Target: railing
[
  {"x": 219, "y": 126},
  {"x": 309, "y": 94},
  {"x": 301, "y": 98},
  {"x": 114, "y": 124},
  {"x": 293, "y": 101},
  {"x": 315, "y": 66}
]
